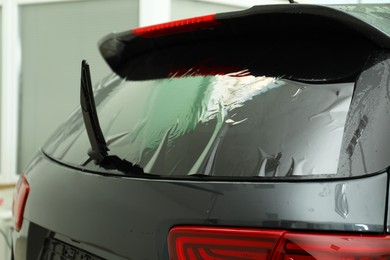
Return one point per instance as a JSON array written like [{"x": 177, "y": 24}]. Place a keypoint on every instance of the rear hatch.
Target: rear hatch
[
  {"x": 271, "y": 118},
  {"x": 274, "y": 91}
]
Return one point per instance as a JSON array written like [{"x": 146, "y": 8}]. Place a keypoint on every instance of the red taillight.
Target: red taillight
[
  {"x": 339, "y": 247},
  {"x": 221, "y": 243},
  {"x": 20, "y": 197},
  {"x": 195, "y": 243},
  {"x": 185, "y": 25}
]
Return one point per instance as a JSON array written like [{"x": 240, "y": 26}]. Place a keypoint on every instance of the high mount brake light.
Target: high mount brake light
[
  {"x": 185, "y": 25},
  {"x": 20, "y": 197},
  {"x": 208, "y": 243}
]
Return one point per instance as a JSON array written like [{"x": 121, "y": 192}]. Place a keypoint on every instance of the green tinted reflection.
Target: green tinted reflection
[
  {"x": 174, "y": 106},
  {"x": 219, "y": 125}
]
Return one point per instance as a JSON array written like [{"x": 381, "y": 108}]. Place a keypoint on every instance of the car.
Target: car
[{"x": 256, "y": 134}]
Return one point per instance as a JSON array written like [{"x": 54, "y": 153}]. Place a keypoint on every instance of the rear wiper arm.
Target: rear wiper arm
[{"x": 99, "y": 150}]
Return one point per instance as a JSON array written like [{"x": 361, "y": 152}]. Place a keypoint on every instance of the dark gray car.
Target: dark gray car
[{"x": 259, "y": 134}]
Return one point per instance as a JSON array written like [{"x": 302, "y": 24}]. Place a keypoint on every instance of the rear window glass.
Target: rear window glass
[
  {"x": 375, "y": 14},
  {"x": 224, "y": 125}
]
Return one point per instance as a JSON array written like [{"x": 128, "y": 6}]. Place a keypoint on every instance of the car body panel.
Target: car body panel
[{"x": 135, "y": 214}]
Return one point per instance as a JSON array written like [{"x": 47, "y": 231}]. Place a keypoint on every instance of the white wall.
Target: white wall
[
  {"x": 189, "y": 8},
  {"x": 6, "y": 192},
  {"x": 158, "y": 14}
]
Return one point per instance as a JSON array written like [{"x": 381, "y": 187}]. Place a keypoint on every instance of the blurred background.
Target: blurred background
[{"x": 42, "y": 43}]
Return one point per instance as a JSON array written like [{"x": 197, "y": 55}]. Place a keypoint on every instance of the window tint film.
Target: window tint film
[
  {"x": 375, "y": 14},
  {"x": 225, "y": 125},
  {"x": 249, "y": 98}
]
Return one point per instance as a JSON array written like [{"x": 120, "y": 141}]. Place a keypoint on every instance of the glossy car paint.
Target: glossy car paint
[{"x": 131, "y": 217}]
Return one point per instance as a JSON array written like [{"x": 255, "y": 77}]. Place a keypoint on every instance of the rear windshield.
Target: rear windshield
[
  {"x": 234, "y": 126},
  {"x": 375, "y": 14},
  {"x": 225, "y": 125},
  {"x": 308, "y": 97}
]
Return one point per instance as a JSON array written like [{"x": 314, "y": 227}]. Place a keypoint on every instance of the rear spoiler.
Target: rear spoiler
[{"x": 276, "y": 23}]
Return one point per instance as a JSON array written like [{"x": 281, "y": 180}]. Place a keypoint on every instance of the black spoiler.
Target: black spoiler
[{"x": 268, "y": 24}]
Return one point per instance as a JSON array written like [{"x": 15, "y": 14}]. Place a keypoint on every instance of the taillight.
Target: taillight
[
  {"x": 20, "y": 197},
  {"x": 195, "y": 243},
  {"x": 184, "y": 25},
  {"x": 221, "y": 243},
  {"x": 336, "y": 246}
]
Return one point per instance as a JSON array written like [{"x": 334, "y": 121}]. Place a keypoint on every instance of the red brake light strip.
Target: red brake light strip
[{"x": 185, "y": 25}]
